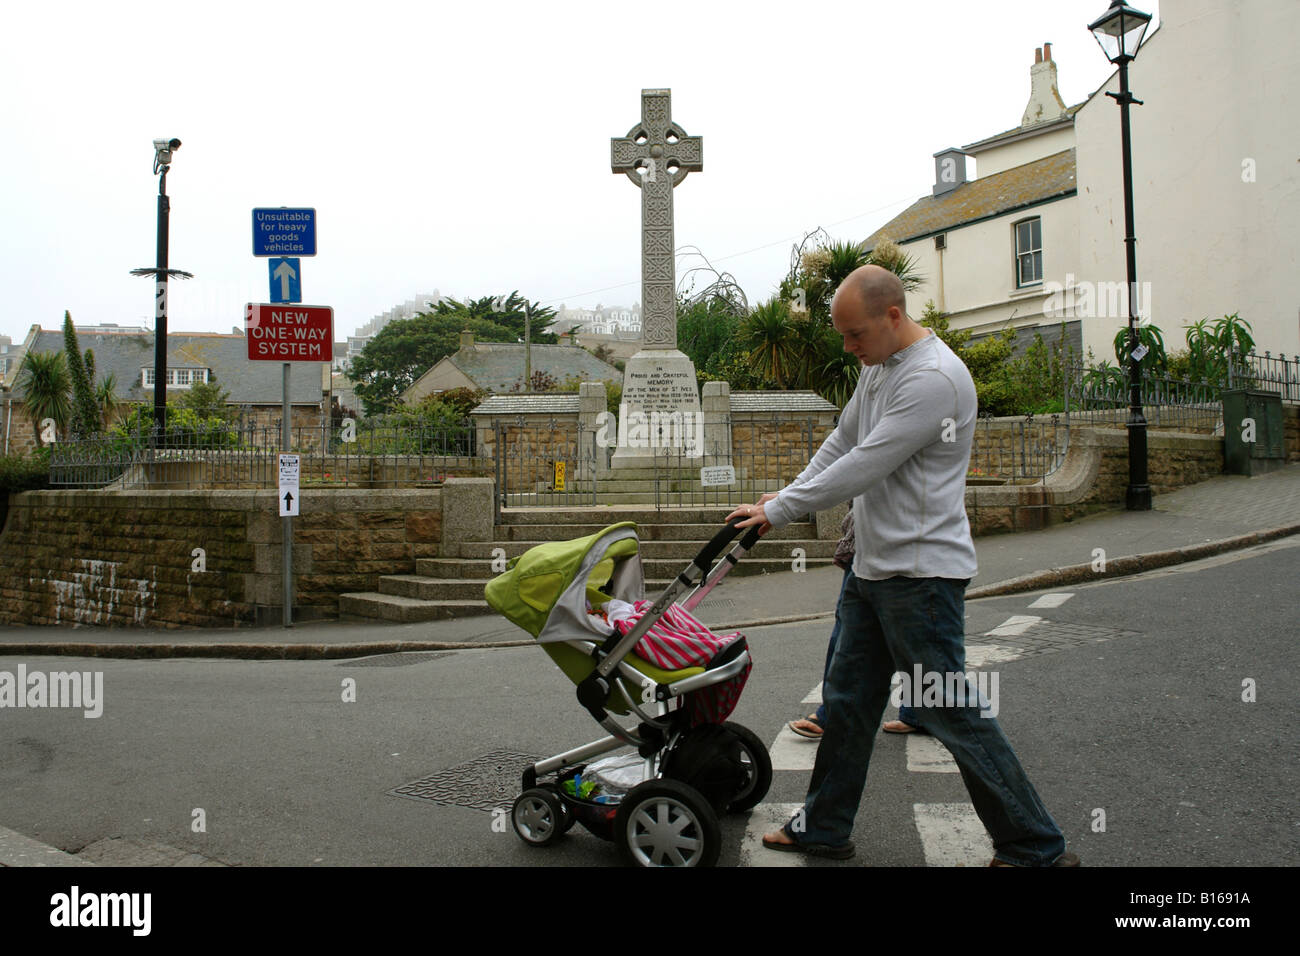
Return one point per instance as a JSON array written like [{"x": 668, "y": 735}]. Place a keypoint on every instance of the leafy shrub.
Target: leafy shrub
[{"x": 25, "y": 472}]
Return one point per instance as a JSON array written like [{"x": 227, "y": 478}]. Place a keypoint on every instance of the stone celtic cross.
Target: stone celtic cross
[{"x": 656, "y": 154}]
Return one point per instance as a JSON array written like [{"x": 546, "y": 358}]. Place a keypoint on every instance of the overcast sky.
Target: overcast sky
[{"x": 465, "y": 147}]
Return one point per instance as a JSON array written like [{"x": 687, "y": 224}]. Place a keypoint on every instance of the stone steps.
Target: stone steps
[
  {"x": 452, "y": 587},
  {"x": 403, "y": 610},
  {"x": 450, "y": 571},
  {"x": 680, "y": 549}
]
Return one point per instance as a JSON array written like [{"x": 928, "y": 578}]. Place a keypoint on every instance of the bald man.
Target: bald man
[{"x": 900, "y": 452}]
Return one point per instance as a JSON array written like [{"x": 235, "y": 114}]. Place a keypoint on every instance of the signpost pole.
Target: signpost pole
[{"x": 287, "y": 526}]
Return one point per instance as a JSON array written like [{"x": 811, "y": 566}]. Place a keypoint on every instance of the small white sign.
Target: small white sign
[
  {"x": 715, "y": 475},
  {"x": 289, "y": 486},
  {"x": 1140, "y": 352}
]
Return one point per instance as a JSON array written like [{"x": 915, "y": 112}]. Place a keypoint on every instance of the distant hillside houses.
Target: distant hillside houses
[
  {"x": 615, "y": 320},
  {"x": 407, "y": 310}
]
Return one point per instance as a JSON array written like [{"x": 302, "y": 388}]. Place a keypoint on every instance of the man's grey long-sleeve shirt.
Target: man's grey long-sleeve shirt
[{"x": 900, "y": 451}]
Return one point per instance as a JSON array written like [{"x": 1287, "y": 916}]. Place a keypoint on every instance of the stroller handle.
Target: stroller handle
[{"x": 709, "y": 553}]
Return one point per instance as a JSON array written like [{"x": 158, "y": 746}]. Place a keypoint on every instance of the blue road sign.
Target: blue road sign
[
  {"x": 284, "y": 232},
  {"x": 286, "y": 279}
]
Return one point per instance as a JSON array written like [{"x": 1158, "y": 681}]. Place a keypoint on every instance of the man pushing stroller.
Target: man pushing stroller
[{"x": 900, "y": 452}]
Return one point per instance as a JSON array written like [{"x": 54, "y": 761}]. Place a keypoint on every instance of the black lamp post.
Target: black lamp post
[
  {"x": 163, "y": 149},
  {"x": 1119, "y": 31}
]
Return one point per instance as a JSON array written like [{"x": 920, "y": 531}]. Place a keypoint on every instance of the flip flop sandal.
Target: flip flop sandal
[
  {"x": 906, "y": 728},
  {"x": 811, "y": 719},
  {"x": 841, "y": 852}
]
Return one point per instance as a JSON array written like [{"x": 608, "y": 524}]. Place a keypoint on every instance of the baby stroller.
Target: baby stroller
[{"x": 691, "y": 768}]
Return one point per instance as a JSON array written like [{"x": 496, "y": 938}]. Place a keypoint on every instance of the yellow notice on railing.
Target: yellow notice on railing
[{"x": 559, "y": 476}]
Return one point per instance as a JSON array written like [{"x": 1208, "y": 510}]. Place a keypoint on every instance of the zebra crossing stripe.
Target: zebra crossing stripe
[
  {"x": 1014, "y": 625},
  {"x": 814, "y": 696},
  {"x": 1055, "y": 599},
  {"x": 791, "y": 752},
  {"x": 926, "y": 755},
  {"x": 765, "y": 818},
  {"x": 981, "y": 655},
  {"x": 952, "y": 835}
]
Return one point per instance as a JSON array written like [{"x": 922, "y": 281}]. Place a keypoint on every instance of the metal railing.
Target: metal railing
[
  {"x": 1100, "y": 396},
  {"x": 1017, "y": 449},
  {"x": 762, "y": 454},
  {"x": 371, "y": 453},
  {"x": 1268, "y": 373}
]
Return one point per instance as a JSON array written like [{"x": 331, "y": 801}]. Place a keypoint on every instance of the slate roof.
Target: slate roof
[
  {"x": 249, "y": 383},
  {"x": 1051, "y": 177},
  {"x": 498, "y": 366},
  {"x": 567, "y": 403},
  {"x": 780, "y": 402},
  {"x": 543, "y": 404}
]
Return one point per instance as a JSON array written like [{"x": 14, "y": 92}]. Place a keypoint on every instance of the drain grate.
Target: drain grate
[
  {"x": 1046, "y": 637},
  {"x": 484, "y": 783},
  {"x": 395, "y": 660}
]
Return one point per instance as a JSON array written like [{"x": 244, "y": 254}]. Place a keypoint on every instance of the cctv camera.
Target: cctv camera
[{"x": 163, "y": 150}]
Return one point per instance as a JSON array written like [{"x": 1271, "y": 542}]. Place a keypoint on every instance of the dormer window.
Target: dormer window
[{"x": 176, "y": 377}]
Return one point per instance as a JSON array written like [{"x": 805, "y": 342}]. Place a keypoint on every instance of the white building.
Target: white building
[{"x": 1038, "y": 237}]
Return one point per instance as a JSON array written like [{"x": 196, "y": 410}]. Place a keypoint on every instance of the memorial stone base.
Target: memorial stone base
[{"x": 660, "y": 410}]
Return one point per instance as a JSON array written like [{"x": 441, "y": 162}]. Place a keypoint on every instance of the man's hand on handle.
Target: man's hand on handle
[{"x": 753, "y": 515}]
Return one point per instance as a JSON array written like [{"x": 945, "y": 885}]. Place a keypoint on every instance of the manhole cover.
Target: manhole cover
[
  {"x": 395, "y": 660},
  {"x": 1046, "y": 637},
  {"x": 484, "y": 783}
]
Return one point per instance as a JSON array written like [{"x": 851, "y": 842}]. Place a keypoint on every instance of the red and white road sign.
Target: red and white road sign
[{"x": 289, "y": 333}]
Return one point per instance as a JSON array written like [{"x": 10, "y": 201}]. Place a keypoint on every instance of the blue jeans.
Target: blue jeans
[
  {"x": 906, "y": 714},
  {"x": 892, "y": 625}
]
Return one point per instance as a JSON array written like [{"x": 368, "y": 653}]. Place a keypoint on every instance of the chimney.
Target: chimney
[
  {"x": 949, "y": 170},
  {"x": 1045, "y": 103},
  {"x": 466, "y": 339}
]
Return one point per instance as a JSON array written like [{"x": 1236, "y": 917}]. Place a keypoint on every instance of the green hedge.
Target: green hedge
[{"x": 25, "y": 472}]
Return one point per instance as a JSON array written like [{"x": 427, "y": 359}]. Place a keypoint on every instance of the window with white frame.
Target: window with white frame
[
  {"x": 176, "y": 377},
  {"x": 1029, "y": 252}
]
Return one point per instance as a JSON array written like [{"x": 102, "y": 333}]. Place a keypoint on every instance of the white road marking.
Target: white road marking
[
  {"x": 1014, "y": 625},
  {"x": 952, "y": 835},
  {"x": 765, "y": 818},
  {"x": 926, "y": 755},
  {"x": 814, "y": 696},
  {"x": 981, "y": 655},
  {"x": 1053, "y": 600},
  {"x": 791, "y": 752}
]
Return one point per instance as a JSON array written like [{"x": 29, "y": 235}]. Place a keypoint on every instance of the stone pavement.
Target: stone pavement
[{"x": 1223, "y": 514}]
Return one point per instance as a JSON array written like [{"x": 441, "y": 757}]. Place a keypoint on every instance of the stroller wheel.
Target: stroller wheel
[
  {"x": 667, "y": 823},
  {"x": 538, "y": 816},
  {"x": 758, "y": 770},
  {"x": 566, "y": 811}
]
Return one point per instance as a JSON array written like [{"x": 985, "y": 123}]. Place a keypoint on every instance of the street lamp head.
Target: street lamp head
[
  {"x": 162, "y": 152},
  {"x": 1120, "y": 30}
]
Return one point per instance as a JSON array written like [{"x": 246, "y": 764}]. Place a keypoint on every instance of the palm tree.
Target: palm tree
[
  {"x": 106, "y": 398},
  {"x": 768, "y": 336},
  {"x": 46, "y": 384}
]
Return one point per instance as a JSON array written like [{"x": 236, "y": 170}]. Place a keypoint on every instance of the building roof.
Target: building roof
[
  {"x": 125, "y": 354},
  {"x": 565, "y": 403},
  {"x": 499, "y": 366},
  {"x": 1024, "y": 132},
  {"x": 780, "y": 402},
  {"x": 1051, "y": 177}
]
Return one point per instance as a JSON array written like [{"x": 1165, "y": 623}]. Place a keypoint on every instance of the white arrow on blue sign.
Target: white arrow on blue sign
[{"x": 286, "y": 279}]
